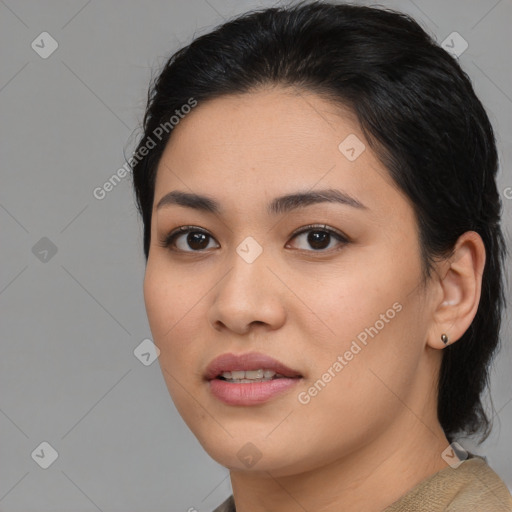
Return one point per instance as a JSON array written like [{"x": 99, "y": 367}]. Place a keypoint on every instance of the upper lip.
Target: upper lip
[{"x": 249, "y": 361}]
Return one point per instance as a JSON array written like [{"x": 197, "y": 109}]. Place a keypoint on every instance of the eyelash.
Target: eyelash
[{"x": 169, "y": 240}]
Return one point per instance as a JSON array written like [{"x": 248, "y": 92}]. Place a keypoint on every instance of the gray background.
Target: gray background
[{"x": 72, "y": 320}]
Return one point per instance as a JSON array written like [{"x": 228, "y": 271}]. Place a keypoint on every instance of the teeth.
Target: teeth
[
  {"x": 242, "y": 375},
  {"x": 246, "y": 381},
  {"x": 238, "y": 374},
  {"x": 254, "y": 374}
]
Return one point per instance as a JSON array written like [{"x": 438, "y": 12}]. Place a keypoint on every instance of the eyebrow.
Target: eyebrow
[{"x": 279, "y": 205}]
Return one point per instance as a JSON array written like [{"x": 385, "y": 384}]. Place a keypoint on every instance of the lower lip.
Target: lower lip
[{"x": 250, "y": 393}]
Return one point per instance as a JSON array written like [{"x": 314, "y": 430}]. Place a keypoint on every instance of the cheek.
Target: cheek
[
  {"x": 347, "y": 304},
  {"x": 365, "y": 339},
  {"x": 174, "y": 314},
  {"x": 158, "y": 301},
  {"x": 173, "y": 309},
  {"x": 352, "y": 392}
]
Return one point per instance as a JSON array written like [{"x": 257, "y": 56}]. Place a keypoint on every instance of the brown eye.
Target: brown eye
[
  {"x": 187, "y": 239},
  {"x": 319, "y": 238},
  {"x": 197, "y": 240}
]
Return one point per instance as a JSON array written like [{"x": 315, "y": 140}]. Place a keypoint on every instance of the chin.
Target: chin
[{"x": 252, "y": 454}]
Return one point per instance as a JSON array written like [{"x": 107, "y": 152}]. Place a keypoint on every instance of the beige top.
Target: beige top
[{"x": 473, "y": 486}]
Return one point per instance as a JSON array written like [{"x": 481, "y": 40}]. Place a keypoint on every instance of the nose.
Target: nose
[{"x": 248, "y": 297}]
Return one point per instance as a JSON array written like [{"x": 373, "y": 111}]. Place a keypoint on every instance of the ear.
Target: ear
[{"x": 458, "y": 288}]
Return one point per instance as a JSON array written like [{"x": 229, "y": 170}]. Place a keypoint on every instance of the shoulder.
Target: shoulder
[
  {"x": 472, "y": 485},
  {"x": 226, "y": 506}
]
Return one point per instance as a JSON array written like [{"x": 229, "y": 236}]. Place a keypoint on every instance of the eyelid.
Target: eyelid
[
  {"x": 320, "y": 227},
  {"x": 342, "y": 239},
  {"x": 168, "y": 239}
]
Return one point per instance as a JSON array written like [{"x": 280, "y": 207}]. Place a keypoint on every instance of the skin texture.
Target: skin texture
[{"x": 372, "y": 432}]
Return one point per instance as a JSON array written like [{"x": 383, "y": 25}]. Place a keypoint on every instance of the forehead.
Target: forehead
[
  {"x": 265, "y": 119},
  {"x": 278, "y": 139}
]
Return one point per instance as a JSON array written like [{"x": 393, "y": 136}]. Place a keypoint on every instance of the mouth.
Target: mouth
[
  {"x": 249, "y": 379},
  {"x": 251, "y": 367},
  {"x": 249, "y": 376}
]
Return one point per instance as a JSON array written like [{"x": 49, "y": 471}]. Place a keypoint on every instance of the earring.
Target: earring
[{"x": 444, "y": 338}]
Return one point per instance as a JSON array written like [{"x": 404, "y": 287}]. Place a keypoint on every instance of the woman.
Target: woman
[{"x": 324, "y": 260}]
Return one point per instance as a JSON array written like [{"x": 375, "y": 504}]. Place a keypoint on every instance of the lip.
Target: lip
[
  {"x": 248, "y": 361},
  {"x": 251, "y": 393}
]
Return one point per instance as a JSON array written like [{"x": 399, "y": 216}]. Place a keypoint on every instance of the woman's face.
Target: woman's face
[{"x": 340, "y": 303}]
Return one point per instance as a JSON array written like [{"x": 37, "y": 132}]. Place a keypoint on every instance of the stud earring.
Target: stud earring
[{"x": 444, "y": 338}]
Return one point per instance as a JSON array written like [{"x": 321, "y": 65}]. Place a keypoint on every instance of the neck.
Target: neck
[{"x": 369, "y": 479}]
